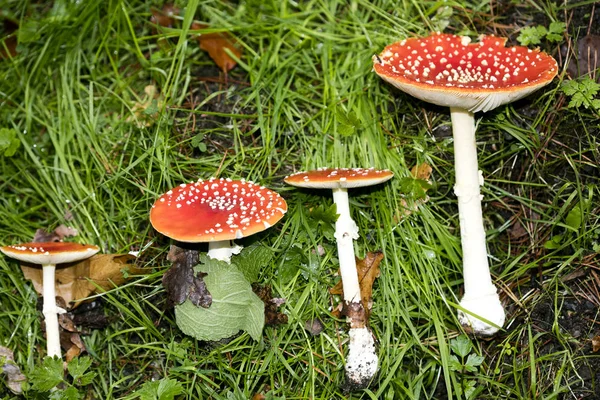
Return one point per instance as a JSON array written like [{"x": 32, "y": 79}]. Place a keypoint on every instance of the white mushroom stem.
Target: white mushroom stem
[
  {"x": 362, "y": 361},
  {"x": 481, "y": 296},
  {"x": 223, "y": 250},
  {"x": 346, "y": 232},
  {"x": 50, "y": 311}
]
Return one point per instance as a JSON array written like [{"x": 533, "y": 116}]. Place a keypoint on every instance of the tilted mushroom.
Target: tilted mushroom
[
  {"x": 448, "y": 70},
  {"x": 48, "y": 254},
  {"x": 362, "y": 362},
  {"x": 216, "y": 211}
]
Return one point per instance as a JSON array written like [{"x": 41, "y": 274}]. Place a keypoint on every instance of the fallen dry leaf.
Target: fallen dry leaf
[
  {"x": 596, "y": 344},
  {"x": 8, "y": 46},
  {"x": 368, "y": 271},
  {"x": 179, "y": 280},
  {"x": 12, "y": 372},
  {"x": 70, "y": 341},
  {"x": 422, "y": 171},
  {"x": 586, "y": 60},
  {"x": 165, "y": 16},
  {"x": 216, "y": 45},
  {"x": 79, "y": 280},
  {"x": 56, "y": 235},
  {"x": 272, "y": 304}
]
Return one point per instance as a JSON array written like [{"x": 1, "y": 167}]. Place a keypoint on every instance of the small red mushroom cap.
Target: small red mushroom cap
[
  {"x": 448, "y": 70},
  {"x": 50, "y": 252},
  {"x": 216, "y": 209},
  {"x": 334, "y": 178}
]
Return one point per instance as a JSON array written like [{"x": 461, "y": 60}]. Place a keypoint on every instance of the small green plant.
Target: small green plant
[
  {"x": 572, "y": 222},
  {"x": 8, "y": 142},
  {"x": 197, "y": 142},
  {"x": 50, "y": 377},
  {"x": 163, "y": 389},
  {"x": 348, "y": 122},
  {"x": 535, "y": 34},
  {"x": 582, "y": 92},
  {"x": 464, "y": 362}
]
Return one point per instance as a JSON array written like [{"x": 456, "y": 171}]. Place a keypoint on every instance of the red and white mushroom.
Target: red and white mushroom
[
  {"x": 216, "y": 211},
  {"x": 362, "y": 362},
  {"x": 448, "y": 70},
  {"x": 48, "y": 254}
]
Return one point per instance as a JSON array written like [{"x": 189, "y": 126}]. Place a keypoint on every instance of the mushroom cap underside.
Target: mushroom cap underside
[
  {"x": 50, "y": 252},
  {"x": 216, "y": 209},
  {"x": 336, "y": 178},
  {"x": 448, "y": 70}
]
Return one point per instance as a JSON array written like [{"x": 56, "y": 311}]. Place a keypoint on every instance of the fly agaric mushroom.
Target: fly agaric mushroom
[
  {"x": 361, "y": 363},
  {"x": 48, "y": 254},
  {"x": 448, "y": 70},
  {"x": 216, "y": 211}
]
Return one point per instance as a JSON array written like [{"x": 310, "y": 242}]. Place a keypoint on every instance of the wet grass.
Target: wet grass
[{"x": 88, "y": 160}]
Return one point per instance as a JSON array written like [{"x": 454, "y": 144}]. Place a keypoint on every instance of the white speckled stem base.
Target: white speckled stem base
[
  {"x": 480, "y": 292},
  {"x": 362, "y": 361}
]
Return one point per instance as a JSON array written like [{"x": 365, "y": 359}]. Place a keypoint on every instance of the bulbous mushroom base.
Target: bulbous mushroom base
[
  {"x": 486, "y": 306},
  {"x": 362, "y": 361}
]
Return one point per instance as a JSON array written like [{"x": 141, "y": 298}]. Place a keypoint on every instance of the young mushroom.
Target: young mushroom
[
  {"x": 362, "y": 362},
  {"x": 448, "y": 70},
  {"x": 48, "y": 254},
  {"x": 216, "y": 211}
]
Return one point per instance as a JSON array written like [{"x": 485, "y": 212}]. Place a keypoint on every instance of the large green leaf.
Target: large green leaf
[{"x": 234, "y": 306}]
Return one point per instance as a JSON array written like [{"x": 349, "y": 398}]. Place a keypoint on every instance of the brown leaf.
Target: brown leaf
[
  {"x": 368, "y": 271},
  {"x": 56, "y": 235},
  {"x": 179, "y": 280},
  {"x": 314, "y": 326},
  {"x": 422, "y": 171},
  {"x": 596, "y": 344},
  {"x": 8, "y": 46},
  {"x": 12, "y": 372},
  {"x": 79, "y": 280},
  {"x": 272, "y": 315},
  {"x": 216, "y": 45},
  {"x": 165, "y": 16},
  {"x": 587, "y": 58}
]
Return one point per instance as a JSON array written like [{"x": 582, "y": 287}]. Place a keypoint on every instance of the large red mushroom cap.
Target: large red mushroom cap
[
  {"x": 50, "y": 252},
  {"x": 448, "y": 70},
  {"x": 216, "y": 209},
  {"x": 333, "y": 178}
]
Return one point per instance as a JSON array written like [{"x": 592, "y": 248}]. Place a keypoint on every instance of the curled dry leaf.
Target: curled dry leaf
[
  {"x": 11, "y": 371},
  {"x": 165, "y": 16},
  {"x": 79, "y": 280},
  {"x": 56, "y": 235},
  {"x": 179, "y": 280},
  {"x": 596, "y": 344},
  {"x": 272, "y": 304},
  {"x": 587, "y": 58},
  {"x": 368, "y": 271},
  {"x": 70, "y": 341},
  {"x": 217, "y": 45},
  {"x": 8, "y": 46}
]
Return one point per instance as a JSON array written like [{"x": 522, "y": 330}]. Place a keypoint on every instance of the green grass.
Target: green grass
[{"x": 86, "y": 160}]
